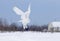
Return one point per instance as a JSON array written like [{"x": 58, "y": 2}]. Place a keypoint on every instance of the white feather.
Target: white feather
[{"x": 18, "y": 11}]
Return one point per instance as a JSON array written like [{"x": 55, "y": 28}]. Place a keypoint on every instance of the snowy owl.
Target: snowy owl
[{"x": 24, "y": 15}]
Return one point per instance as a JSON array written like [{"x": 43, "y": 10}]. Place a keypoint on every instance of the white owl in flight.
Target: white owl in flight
[{"x": 24, "y": 15}]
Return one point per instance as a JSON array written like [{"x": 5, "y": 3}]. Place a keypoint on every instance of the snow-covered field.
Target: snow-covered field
[{"x": 29, "y": 36}]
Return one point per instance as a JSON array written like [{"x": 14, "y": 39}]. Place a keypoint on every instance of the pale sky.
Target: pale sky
[{"x": 42, "y": 11}]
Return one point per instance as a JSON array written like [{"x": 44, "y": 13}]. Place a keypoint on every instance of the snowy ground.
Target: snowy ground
[{"x": 29, "y": 36}]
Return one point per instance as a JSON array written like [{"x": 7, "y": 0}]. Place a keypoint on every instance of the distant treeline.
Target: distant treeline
[{"x": 4, "y": 26}]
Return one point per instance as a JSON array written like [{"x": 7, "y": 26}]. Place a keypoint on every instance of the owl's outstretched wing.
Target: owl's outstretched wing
[
  {"x": 27, "y": 13},
  {"x": 18, "y": 11}
]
